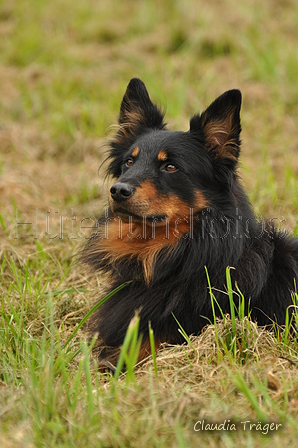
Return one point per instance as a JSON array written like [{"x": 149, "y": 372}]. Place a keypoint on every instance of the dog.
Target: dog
[{"x": 177, "y": 208}]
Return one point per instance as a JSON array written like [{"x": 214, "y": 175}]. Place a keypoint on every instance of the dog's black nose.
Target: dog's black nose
[{"x": 121, "y": 191}]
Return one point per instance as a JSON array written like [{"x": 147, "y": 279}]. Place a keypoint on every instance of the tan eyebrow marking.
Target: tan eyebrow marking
[
  {"x": 162, "y": 155},
  {"x": 135, "y": 151}
]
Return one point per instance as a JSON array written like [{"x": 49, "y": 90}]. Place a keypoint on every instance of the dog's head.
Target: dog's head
[{"x": 161, "y": 174}]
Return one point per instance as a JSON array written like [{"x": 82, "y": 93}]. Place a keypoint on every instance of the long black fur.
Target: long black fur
[{"x": 225, "y": 233}]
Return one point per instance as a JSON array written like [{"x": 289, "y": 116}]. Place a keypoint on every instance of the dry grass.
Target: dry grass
[{"x": 64, "y": 68}]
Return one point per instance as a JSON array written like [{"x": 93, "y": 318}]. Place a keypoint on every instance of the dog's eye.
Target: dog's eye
[
  {"x": 129, "y": 162},
  {"x": 170, "y": 168}
]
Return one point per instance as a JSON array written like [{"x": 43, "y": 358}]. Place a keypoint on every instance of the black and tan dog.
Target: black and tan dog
[{"x": 177, "y": 206}]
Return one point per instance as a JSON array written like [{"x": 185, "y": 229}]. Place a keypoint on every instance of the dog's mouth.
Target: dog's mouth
[{"x": 128, "y": 216}]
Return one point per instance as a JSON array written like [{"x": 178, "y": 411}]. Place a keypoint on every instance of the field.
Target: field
[{"x": 64, "y": 67}]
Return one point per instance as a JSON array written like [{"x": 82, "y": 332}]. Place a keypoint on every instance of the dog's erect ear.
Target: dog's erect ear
[
  {"x": 137, "y": 114},
  {"x": 221, "y": 127},
  {"x": 138, "y": 111}
]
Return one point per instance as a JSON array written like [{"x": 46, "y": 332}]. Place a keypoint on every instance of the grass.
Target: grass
[{"x": 64, "y": 68}]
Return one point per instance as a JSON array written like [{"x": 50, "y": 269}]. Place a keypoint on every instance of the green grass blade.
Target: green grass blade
[
  {"x": 130, "y": 337},
  {"x": 93, "y": 309},
  {"x": 153, "y": 349},
  {"x": 231, "y": 298},
  {"x": 245, "y": 389},
  {"x": 184, "y": 334}
]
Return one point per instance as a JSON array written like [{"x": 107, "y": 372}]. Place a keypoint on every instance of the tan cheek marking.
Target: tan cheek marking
[
  {"x": 162, "y": 156},
  {"x": 135, "y": 151},
  {"x": 176, "y": 208},
  {"x": 148, "y": 201},
  {"x": 157, "y": 204},
  {"x": 200, "y": 202},
  {"x": 146, "y": 192}
]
